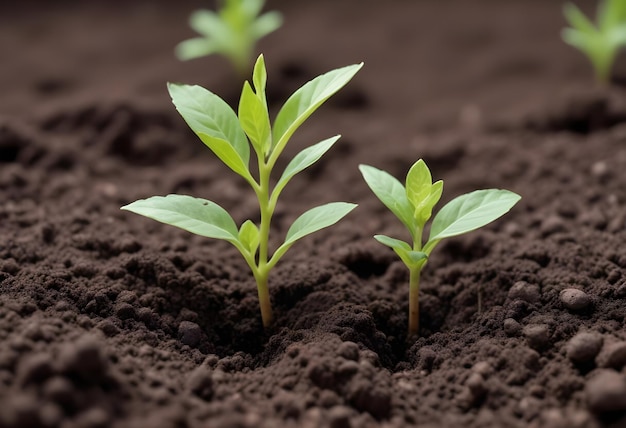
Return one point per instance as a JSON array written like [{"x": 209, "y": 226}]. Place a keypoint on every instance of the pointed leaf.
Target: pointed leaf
[
  {"x": 391, "y": 193},
  {"x": 249, "y": 236},
  {"x": 266, "y": 24},
  {"x": 209, "y": 24},
  {"x": 471, "y": 211},
  {"x": 217, "y": 125},
  {"x": 195, "y": 48},
  {"x": 408, "y": 256},
  {"x": 316, "y": 219},
  {"x": 254, "y": 118},
  {"x": 306, "y": 100},
  {"x": 304, "y": 159},
  {"x": 424, "y": 209},
  {"x": 418, "y": 183},
  {"x": 393, "y": 242},
  {"x": 259, "y": 77},
  {"x": 195, "y": 215},
  {"x": 578, "y": 20},
  {"x": 611, "y": 14}
]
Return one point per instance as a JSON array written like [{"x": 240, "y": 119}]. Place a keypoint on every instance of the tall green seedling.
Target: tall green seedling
[
  {"x": 601, "y": 41},
  {"x": 233, "y": 32},
  {"x": 413, "y": 204},
  {"x": 230, "y": 135}
]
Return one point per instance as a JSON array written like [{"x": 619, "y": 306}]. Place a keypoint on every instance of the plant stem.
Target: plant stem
[
  {"x": 414, "y": 309},
  {"x": 262, "y": 271},
  {"x": 264, "y": 298}
]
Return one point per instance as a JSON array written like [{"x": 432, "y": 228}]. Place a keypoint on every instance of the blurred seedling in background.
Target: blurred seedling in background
[
  {"x": 229, "y": 135},
  {"x": 601, "y": 41},
  {"x": 413, "y": 205},
  {"x": 232, "y": 32}
]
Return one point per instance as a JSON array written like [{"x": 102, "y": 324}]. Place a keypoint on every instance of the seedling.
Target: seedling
[
  {"x": 230, "y": 136},
  {"x": 600, "y": 42},
  {"x": 413, "y": 205},
  {"x": 232, "y": 32}
]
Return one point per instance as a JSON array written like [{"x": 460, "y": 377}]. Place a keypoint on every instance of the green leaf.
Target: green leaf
[
  {"x": 471, "y": 211},
  {"x": 391, "y": 193},
  {"x": 578, "y": 20},
  {"x": 254, "y": 118},
  {"x": 195, "y": 215},
  {"x": 611, "y": 14},
  {"x": 418, "y": 183},
  {"x": 195, "y": 48},
  {"x": 249, "y": 236},
  {"x": 306, "y": 100},
  {"x": 311, "y": 221},
  {"x": 266, "y": 24},
  {"x": 304, "y": 159},
  {"x": 217, "y": 125},
  {"x": 259, "y": 78},
  {"x": 209, "y": 24},
  {"x": 316, "y": 219},
  {"x": 408, "y": 256},
  {"x": 424, "y": 210}
]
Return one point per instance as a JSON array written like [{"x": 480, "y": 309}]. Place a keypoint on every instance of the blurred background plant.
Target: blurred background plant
[
  {"x": 601, "y": 41},
  {"x": 233, "y": 32}
]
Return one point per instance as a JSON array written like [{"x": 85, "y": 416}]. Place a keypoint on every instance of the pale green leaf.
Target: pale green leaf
[
  {"x": 424, "y": 209},
  {"x": 578, "y": 20},
  {"x": 259, "y": 77},
  {"x": 209, "y": 24},
  {"x": 195, "y": 215},
  {"x": 316, "y": 219},
  {"x": 306, "y": 100},
  {"x": 217, "y": 125},
  {"x": 311, "y": 221},
  {"x": 418, "y": 182},
  {"x": 611, "y": 14},
  {"x": 408, "y": 256},
  {"x": 471, "y": 211},
  {"x": 391, "y": 193},
  {"x": 195, "y": 48},
  {"x": 266, "y": 24},
  {"x": 304, "y": 159},
  {"x": 249, "y": 236},
  {"x": 254, "y": 118}
]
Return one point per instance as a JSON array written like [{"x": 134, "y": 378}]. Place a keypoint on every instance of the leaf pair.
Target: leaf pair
[
  {"x": 232, "y": 32},
  {"x": 600, "y": 42}
]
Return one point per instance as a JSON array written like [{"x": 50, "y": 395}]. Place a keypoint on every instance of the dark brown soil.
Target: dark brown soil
[{"x": 108, "y": 319}]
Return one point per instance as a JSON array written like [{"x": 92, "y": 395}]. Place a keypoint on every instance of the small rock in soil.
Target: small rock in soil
[
  {"x": 583, "y": 347},
  {"x": 552, "y": 224},
  {"x": 108, "y": 327},
  {"x": 606, "y": 392},
  {"x": 84, "y": 359},
  {"x": 476, "y": 384},
  {"x": 522, "y": 290},
  {"x": 613, "y": 355},
  {"x": 512, "y": 327},
  {"x": 200, "y": 382},
  {"x": 349, "y": 350},
  {"x": 34, "y": 369},
  {"x": 339, "y": 417},
  {"x": 537, "y": 336},
  {"x": 574, "y": 299},
  {"x": 189, "y": 333},
  {"x": 365, "y": 396}
]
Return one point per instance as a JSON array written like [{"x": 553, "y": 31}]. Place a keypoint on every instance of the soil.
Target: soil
[{"x": 108, "y": 319}]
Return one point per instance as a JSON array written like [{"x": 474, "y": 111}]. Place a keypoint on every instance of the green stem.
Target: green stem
[
  {"x": 264, "y": 297},
  {"x": 414, "y": 309},
  {"x": 262, "y": 271}
]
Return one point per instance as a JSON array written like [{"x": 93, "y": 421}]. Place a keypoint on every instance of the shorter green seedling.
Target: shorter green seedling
[
  {"x": 413, "y": 205},
  {"x": 232, "y": 32},
  {"x": 230, "y": 136},
  {"x": 600, "y": 42}
]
